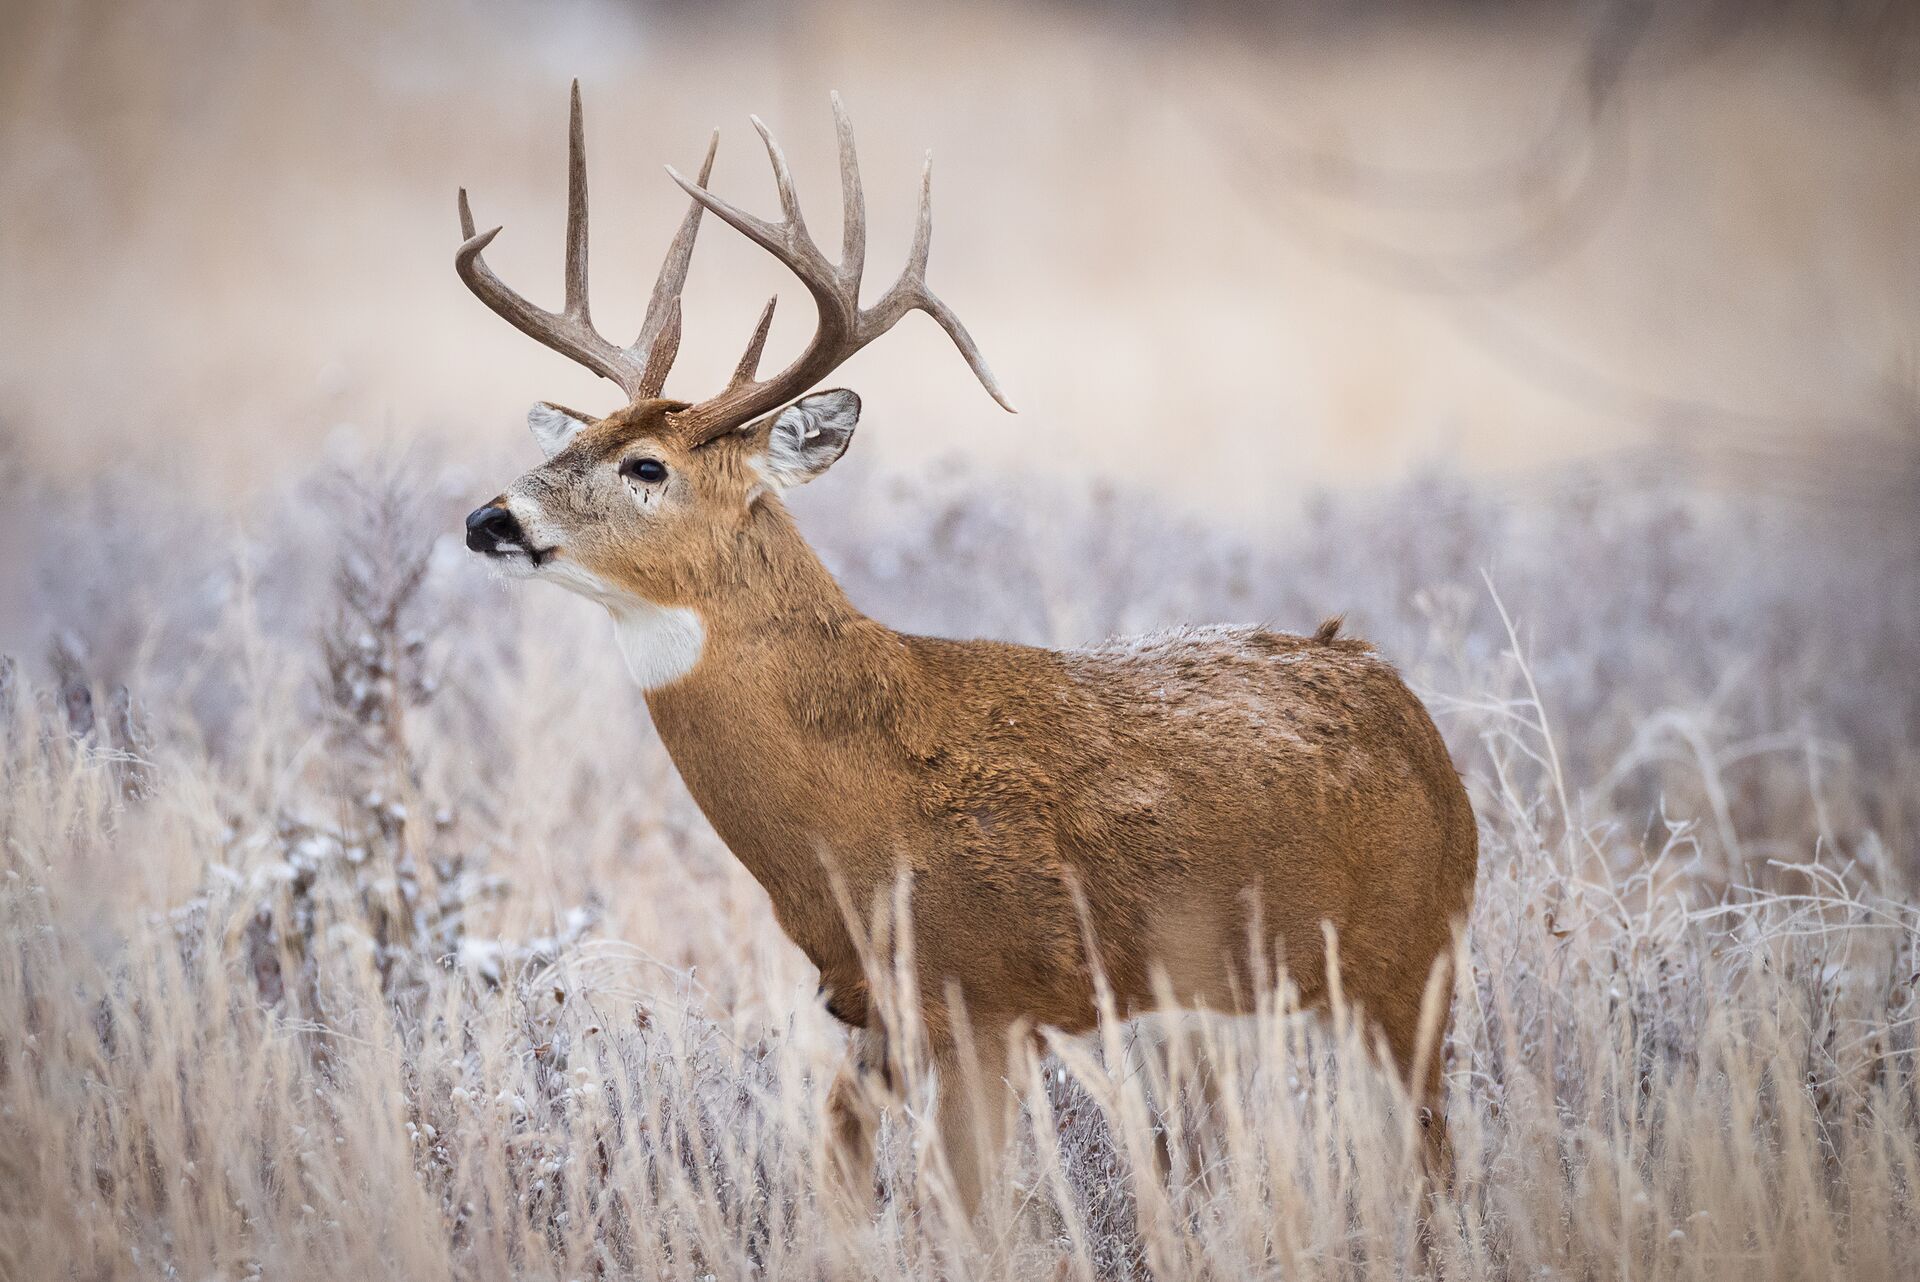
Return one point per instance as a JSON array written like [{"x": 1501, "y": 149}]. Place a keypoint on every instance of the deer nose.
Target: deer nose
[{"x": 490, "y": 526}]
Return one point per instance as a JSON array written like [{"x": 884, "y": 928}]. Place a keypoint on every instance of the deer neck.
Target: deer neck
[{"x": 797, "y": 709}]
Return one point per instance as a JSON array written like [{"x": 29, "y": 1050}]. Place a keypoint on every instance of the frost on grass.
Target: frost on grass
[{"x": 353, "y": 924}]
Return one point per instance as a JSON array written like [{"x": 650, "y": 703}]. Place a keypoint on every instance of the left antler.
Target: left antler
[{"x": 641, "y": 369}]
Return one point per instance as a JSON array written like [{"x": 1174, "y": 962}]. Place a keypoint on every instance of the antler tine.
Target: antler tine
[
  {"x": 945, "y": 318},
  {"x": 853, "y": 204},
  {"x": 667, "y": 286},
  {"x": 576, "y": 304},
  {"x": 782, "y": 180},
  {"x": 922, "y": 225},
  {"x": 910, "y": 293},
  {"x": 749, "y": 366},
  {"x": 661, "y": 350}
]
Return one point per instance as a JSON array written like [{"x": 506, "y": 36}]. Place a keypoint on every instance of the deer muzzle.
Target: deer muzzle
[{"x": 494, "y": 531}]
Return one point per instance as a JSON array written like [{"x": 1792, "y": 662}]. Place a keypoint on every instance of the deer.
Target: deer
[{"x": 1120, "y": 822}]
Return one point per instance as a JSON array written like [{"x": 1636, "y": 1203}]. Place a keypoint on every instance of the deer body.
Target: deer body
[
  {"x": 1197, "y": 804},
  {"x": 1195, "y": 786}
]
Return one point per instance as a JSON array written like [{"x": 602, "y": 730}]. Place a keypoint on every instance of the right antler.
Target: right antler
[
  {"x": 844, "y": 328},
  {"x": 640, "y": 370}
]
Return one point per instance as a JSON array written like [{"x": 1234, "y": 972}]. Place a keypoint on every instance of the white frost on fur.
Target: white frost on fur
[
  {"x": 1233, "y": 640},
  {"x": 660, "y": 643}
]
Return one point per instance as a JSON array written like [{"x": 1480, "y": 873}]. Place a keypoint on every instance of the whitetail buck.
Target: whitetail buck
[{"x": 1184, "y": 792}]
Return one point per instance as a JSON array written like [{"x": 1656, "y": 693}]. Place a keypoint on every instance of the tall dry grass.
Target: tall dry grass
[{"x": 353, "y": 924}]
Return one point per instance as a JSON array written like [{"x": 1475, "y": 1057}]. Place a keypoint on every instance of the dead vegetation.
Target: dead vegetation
[{"x": 374, "y": 938}]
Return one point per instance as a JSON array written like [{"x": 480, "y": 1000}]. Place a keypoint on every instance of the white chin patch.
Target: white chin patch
[
  {"x": 517, "y": 566},
  {"x": 574, "y": 577},
  {"x": 660, "y": 643}
]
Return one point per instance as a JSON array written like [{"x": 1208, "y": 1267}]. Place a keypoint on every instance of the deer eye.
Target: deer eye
[{"x": 648, "y": 471}]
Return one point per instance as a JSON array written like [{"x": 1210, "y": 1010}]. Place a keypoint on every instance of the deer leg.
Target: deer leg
[
  {"x": 1169, "y": 1052},
  {"x": 972, "y": 1110},
  {"x": 1437, "y": 1141},
  {"x": 1416, "y": 1031},
  {"x": 853, "y": 1123},
  {"x": 1202, "y": 1118}
]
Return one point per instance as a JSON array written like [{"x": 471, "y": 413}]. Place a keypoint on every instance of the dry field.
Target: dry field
[
  {"x": 353, "y": 923},
  {"x": 367, "y": 933}
]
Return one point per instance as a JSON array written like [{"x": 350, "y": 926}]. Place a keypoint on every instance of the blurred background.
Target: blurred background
[{"x": 1233, "y": 246}]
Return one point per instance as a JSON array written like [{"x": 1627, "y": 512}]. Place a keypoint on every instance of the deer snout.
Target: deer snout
[{"x": 492, "y": 529}]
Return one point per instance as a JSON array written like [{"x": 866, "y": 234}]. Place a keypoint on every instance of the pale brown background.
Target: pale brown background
[{"x": 1220, "y": 250}]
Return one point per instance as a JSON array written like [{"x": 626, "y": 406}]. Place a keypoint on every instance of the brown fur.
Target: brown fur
[{"x": 1201, "y": 788}]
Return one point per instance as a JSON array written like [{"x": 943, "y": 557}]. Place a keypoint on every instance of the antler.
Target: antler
[
  {"x": 640, "y": 370},
  {"x": 844, "y": 328}
]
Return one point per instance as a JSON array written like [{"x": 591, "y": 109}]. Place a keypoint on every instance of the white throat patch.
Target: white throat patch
[{"x": 660, "y": 643}]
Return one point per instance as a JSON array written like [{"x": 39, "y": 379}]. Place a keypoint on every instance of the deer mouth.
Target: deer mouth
[
  {"x": 509, "y": 553},
  {"x": 514, "y": 561}
]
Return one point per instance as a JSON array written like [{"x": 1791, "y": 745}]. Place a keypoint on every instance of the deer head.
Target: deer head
[{"x": 645, "y": 510}]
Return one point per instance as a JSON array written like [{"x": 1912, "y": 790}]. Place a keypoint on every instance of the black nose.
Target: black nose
[{"x": 490, "y": 526}]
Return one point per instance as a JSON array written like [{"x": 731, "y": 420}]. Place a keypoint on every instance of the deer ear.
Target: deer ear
[
  {"x": 554, "y": 425},
  {"x": 808, "y": 437}
]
